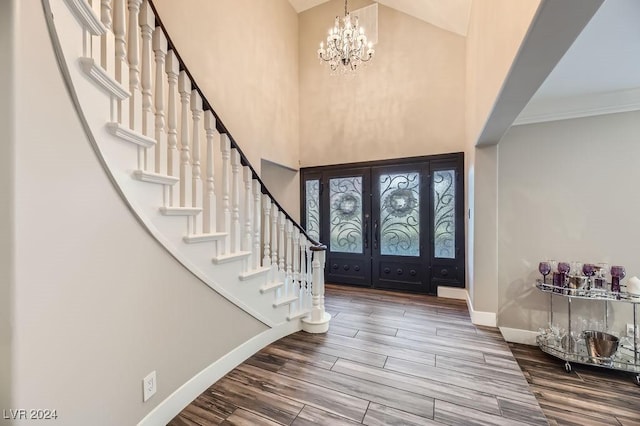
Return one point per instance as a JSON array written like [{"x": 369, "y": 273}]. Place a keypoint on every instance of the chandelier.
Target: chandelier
[{"x": 346, "y": 45}]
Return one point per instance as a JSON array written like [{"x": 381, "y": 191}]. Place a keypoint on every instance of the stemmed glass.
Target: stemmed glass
[
  {"x": 544, "y": 268},
  {"x": 588, "y": 270},
  {"x": 563, "y": 269},
  {"x": 617, "y": 273},
  {"x": 601, "y": 275}
]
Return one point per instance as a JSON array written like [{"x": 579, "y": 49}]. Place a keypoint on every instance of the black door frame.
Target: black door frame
[{"x": 437, "y": 271}]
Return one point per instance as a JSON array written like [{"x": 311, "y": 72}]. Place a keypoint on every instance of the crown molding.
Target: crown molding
[{"x": 553, "y": 109}]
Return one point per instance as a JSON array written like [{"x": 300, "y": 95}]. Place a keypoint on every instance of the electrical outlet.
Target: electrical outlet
[
  {"x": 149, "y": 386},
  {"x": 630, "y": 330}
]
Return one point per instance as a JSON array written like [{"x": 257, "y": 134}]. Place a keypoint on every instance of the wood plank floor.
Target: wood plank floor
[
  {"x": 388, "y": 359},
  {"x": 586, "y": 396}
]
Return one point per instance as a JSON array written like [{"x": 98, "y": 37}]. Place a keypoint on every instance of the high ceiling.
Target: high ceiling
[{"x": 451, "y": 15}]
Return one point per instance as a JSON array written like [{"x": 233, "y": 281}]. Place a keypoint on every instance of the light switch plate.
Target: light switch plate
[{"x": 149, "y": 386}]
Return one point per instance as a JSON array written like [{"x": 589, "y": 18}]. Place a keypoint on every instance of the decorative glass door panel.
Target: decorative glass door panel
[
  {"x": 389, "y": 225},
  {"x": 400, "y": 214},
  {"x": 345, "y": 215},
  {"x": 444, "y": 201}
]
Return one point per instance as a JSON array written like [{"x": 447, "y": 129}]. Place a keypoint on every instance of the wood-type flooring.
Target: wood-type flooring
[{"x": 399, "y": 359}]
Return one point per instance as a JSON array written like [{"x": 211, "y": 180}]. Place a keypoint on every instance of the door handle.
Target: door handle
[
  {"x": 365, "y": 229},
  {"x": 375, "y": 234}
]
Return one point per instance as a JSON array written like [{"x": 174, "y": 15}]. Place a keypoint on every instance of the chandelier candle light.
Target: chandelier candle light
[{"x": 346, "y": 44}]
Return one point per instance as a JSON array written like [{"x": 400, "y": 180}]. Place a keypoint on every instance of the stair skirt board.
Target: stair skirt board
[{"x": 181, "y": 397}]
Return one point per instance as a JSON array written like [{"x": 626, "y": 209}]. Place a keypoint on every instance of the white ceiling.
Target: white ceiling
[
  {"x": 604, "y": 58},
  {"x": 451, "y": 15}
]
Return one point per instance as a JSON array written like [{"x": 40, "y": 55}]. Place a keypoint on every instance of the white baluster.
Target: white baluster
[
  {"x": 94, "y": 42},
  {"x": 121, "y": 65},
  {"x": 274, "y": 238},
  {"x": 266, "y": 206},
  {"x": 281, "y": 249},
  {"x": 209, "y": 208},
  {"x": 173, "y": 157},
  {"x": 248, "y": 216},
  {"x": 235, "y": 201},
  {"x": 196, "y": 186},
  {"x": 184, "y": 87},
  {"x": 318, "y": 320},
  {"x": 295, "y": 247},
  {"x": 107, "y": 51},
  {"x": 225, "y": 148},
  {"x": 303, "y": 270},
  {"x": 309, "y": 269},
  {"x": 289, "y": 257},
  {"x": 160, "y": 50},
  {"x": 147, "y": 24},
  {"x": 257, "y": 196},
  {"x": 133, "y": 52}
]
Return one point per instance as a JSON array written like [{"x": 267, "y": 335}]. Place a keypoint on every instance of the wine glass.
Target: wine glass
[
  {"x": 588, "y": 270},
  {"x": 564, "y": 267},
  {"x": 544, "y": 268},
  {"x": 576, "y": 268},
  {"x": 617, "y": 273}
]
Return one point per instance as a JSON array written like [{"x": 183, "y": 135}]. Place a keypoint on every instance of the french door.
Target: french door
[{"x": 396, "y": 225}]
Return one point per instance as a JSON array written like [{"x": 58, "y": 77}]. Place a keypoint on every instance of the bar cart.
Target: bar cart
[{"x": 571, "y": 351}]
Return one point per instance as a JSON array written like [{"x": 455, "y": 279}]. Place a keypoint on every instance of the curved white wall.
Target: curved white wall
[{"x": 98, "y": 302}]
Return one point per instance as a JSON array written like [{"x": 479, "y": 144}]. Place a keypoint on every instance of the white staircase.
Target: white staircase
[{"x": 177, "y": 169}]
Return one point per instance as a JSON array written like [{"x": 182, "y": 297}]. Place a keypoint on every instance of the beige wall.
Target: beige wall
[
  {"x": 496, "y": 31},
  {"x": 284, "y": 184},
  {"x": 98, "y": 302},
  {"x": 567, "y": 191},
  {"x": 6, "y": 194},
  {"x": 244, "y": 56},
  {"x": 409, "y": 101}
]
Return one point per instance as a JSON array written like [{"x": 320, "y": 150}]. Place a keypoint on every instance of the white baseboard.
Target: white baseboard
[
  {"x": 488, "y": 319},
  {"x": 452, "y": 293},
  {"x": 181, "y": 397},
  {"x": 516, "y": 335}
]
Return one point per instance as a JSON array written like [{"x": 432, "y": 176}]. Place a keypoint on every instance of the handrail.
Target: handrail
[{"x": 221, "y": 128}]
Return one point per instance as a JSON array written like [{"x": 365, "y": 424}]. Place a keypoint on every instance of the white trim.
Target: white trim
[
  {"x": 203, "y": 238},
  {"x": 516, "y": 335},
  {"x": 488, "y": 319},
  {"x": 543, "y": 110},
  {"x": 271, "y": 286},
  {"x": 452, "y": 293},
  {"x": 129, "y": 135},
  {"x": 225, "y": 258},
  {"x": 87, "y": 17},
  {"x": 157, "y": 178},
  {"x": 180, "y": 211},
  {"x": 181, "y": 397},
  {"x": 246, "y": 276},
  {"x": 103, "y": 80},
  {"x": 284, "y": 301}
]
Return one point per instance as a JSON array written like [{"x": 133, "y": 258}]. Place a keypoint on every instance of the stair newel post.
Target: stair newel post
[
  {"x": 184, "y": 87},
  {"x": 160, "y": 54},
  {"x": 318, "y": 319},
  {"x": 281, "y": 250},
  {"x": 257, "y": 197},
  {"x": 288, "y": 253},
  {"x": 248, "y": 216},
  {"x": 173, "y": 157},
  {"x": 196, "y": 182},
  {"x": 225, "y": 149},
  {"x": 209, "y": 208},
  {"x": 121, "y": 65},
  {"x": 133, "y": 54},
  {"x": 235, "y": 201},
  {"x": 266, "y": 235},
  {"x": 147, "y": 24}
]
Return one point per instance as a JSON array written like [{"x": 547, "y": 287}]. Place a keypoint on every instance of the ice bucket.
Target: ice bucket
[{"x": 600, "y": 344}]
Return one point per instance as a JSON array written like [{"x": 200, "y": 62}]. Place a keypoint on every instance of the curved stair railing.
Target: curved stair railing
[{"x": 177, "y": 166}]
